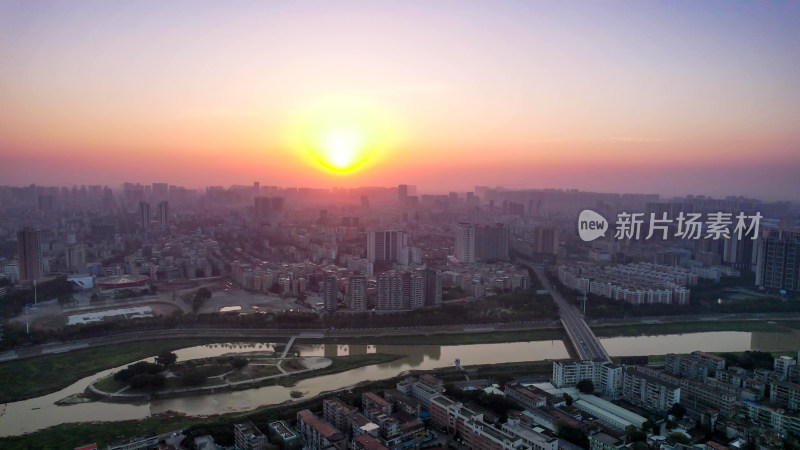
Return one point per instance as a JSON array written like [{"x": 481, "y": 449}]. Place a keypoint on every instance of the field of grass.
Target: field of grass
[
  {"x": 33, "y": 377},
  {"x": 254, "y": 371},
  {"x": 687, "y": 327},
  {"x": 543, "y": 334},
  {"x": 109, "y": 384}
]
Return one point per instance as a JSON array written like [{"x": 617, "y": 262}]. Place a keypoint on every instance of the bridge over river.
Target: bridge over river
[{"x": 583, "y": 339}]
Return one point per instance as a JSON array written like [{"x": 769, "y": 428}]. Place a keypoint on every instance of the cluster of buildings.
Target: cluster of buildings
[
  {"x": 393, "y": 420},
  {"x": 636, "y": 283},
  {"x": 732, "y": 400},
  {"x": 481, "y": 278}
]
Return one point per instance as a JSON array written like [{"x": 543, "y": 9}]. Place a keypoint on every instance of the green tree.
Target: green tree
[
  {"x": 239, "y": 363},
  {"x": 573, "y": 434},
  {"x": 678, "y": 411},
  {"x": 637, "y": 436},
  {"x": 200, "y": 297},
  {"x": 147, "y": 381},
  {"x": 679, "y": 438},
  {"x": 166, "y": 358},
  {"x": 586, "y": 386}
]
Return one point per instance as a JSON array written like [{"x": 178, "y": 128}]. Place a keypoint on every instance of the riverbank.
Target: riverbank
[
  {"x": 486, "y": 335},
  {"x": 650, "y": 329},
  {"x": 336, "y": 365},
  {"x": 481, "y": 336},
  {"x": 34, "y": 377}
]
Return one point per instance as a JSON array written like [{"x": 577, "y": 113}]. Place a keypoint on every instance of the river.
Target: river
[{"x": 38, "y": 413}]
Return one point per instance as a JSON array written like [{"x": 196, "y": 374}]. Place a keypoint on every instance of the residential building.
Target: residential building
[
  {"x": 606, "y": 376},
  {"x": 367, "y": 442},
  {"x": 248, "y": 437},
  {"x": 357, "y": 292},
  {"x": 338, "y": 413},
  {"x": 330, "y": 291},
  {"x": 643, "y": 388},
  {"x": 385, "y": 245},
  {"x": 534, "y": 440},
  {"x": 317, "y": 433},
  {"x": 286, "y": 437},
  {"x": 29, "y": 252},
  {"x": 465, "y": 243},
  {"x": 778, "y": 261}
]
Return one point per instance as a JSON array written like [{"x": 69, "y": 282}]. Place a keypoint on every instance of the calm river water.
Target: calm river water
[{"x": 38, "y": 413}]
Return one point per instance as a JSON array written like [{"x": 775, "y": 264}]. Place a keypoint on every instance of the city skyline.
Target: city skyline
[{"x": 660, "y": 98}]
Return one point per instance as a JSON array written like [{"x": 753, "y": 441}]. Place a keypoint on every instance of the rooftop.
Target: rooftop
[
  {"x": 322, "y": 427},
  {"x": 374, "y": 398},
  {"x": 368, "y": 442}
]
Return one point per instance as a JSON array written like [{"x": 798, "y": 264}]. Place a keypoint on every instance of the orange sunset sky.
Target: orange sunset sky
[{"x": 658, "y": 97}]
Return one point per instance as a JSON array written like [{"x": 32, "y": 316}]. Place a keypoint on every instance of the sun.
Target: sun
[
  {"x": 342, "y": 149},
  {"x": 342, "y": 136}
]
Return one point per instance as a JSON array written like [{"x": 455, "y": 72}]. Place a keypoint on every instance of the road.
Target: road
[
  {"x": 583, "y": 339},
  {"x": 268, "y": 333}
]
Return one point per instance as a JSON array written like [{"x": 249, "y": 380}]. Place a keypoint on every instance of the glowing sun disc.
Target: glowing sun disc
[{"x": 342, "y": 149}]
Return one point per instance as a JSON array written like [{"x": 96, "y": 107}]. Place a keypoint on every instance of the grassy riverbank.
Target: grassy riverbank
[
  {"x": 33, "y": 377},
  {"x": 639, "y": 329},
  {"x": 338, "y": 364},
  {"x": 461, "y": 338}
]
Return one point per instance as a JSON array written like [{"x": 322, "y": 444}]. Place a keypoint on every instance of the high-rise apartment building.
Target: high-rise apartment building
[
  {"x": 357, "y": 292},
  {"x": 390, "y": 291},
  {"x": 163, "y": 215},
  {"x": 29, "y": 250},
  {"x": 268, "y": 211},
  {"x": 481, "y": 242},
  {"x": 76, "y": 257},
  {"x": 465, "y": 243},
  {"x": 546, "y": 240},
  {"x": 778, "y": 261},
  {"x": 402, "y": 194},
  {"x": 491, "y": 242},
  {"x": 330, "y": 291},
  {"x": 433, "y": 287},
  {"x": 413, "y": 290},
  {"x": 386, "y": 245},
  {"x": 144, "y": 215}
]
